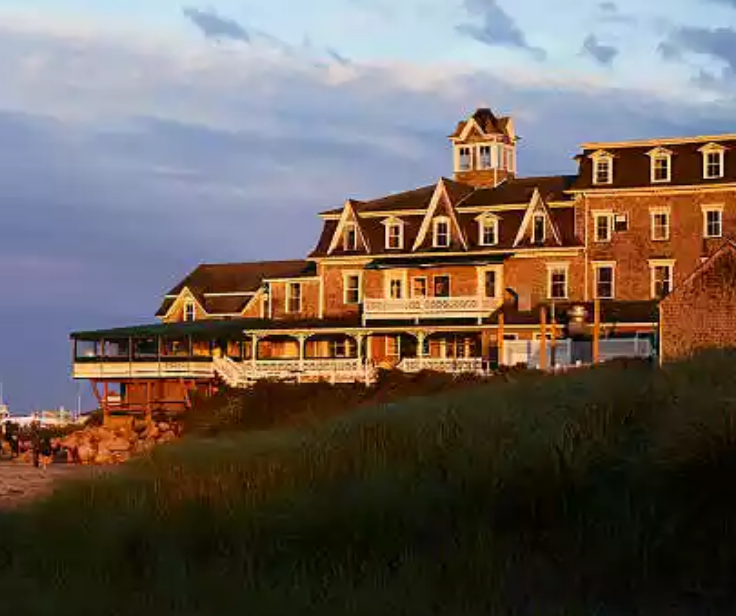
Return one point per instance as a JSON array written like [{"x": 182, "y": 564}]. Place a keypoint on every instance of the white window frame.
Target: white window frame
[
  {"x": 346, "y": 235},
  {"x": 435, "y": 223},
  {"x": 484, "y": 222},
  {"x": 498, "y": 270},
  {"x": 707, "y": 209},
  {"x": 653, "y": 213},
  {"x": 608, "y": 216},
  {"x": 479, "y": 156},
  {"x": 394, "y": 224},
  {"x": 655, "y": 263},
  {"x": 392, "y": 275},
  {"x": 599, "y": 265},
  {"x": 289, "y": 287},
  {"x": 449, "y": 285},
  {"x": 189, "y": 304},
  {"x": 602, "y": 159},
  {"x": 345, "y": 288},
  {"x": 660, "y": 156},
  {"x": 459, "y": 158},
  {"x": 536, "y": 216},
  {"x": 551, "y": 269},
  {"x": 720, "y": 151}
]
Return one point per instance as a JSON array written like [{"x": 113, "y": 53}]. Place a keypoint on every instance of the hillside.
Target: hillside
[{"x": 606, "y": 491}]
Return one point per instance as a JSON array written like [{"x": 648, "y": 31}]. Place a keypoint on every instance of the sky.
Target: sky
[{"x": 139, "y": 139}]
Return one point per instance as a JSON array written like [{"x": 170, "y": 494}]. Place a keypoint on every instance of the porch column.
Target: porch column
[
  {"x": 500, "y": 339},
  {"x": 302, "y": 338},
  {"x": 543, "y": 339},
  {"x": 421, "y": 338},
  {"x": 254, "y": 352},
  {"x": 596, "y": 330}
]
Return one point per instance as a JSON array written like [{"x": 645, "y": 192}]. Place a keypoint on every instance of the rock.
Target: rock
[
  {"x": 118, "y": 444},
  {"x": 86, "y": 454},
  {"x": 167, "y": 437},
  {"x": 163, "y": 427},
  {"x": 140, "y": 425}
]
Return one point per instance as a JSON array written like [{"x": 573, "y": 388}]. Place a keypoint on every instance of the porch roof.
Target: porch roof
[
  {"x": 212, "y": 329},
  {"x": 439, "y": 261},
  {"x": 611, "y": 312}
]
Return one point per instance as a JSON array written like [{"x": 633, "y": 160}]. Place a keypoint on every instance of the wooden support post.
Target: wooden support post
[
  {"x": 302, "y": 343},
  {"x": 596, "y": 330},
  {"x": 500, "y": 339},
  {"x": 543, "y": 339},
  {"x": 421, "y": 338},
  {"x": 254, "y": 352},
  {"x": 149, "y": 410},
  {"x": 553, "y": 339},
  {"x": 106, "y": 402}
]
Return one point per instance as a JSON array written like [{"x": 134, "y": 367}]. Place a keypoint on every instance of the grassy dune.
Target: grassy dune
[{"x": 609, "y": 491}]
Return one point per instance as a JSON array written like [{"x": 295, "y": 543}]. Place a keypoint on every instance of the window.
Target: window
[
  {"x": 395, "y": 235},
  {"x": 603, "y": 170},
  {"x": 713, "y": 158},
  {"x": 465, "y": 158},
  {"x": 396, "y": 287},
  {"x": 442, "y": 286},
  {"x": 661, "y": 165},
  {"x": 342, "y": 349},
  {"x": 604, "y": 281},
  {"x": 441, "y": 233},
  {"x": 557, "y": 282},
  {"x": 190, "y": 311},
  {"x": 484, "y": 159},
  {"x": 294, "y": 297},
  {"x": 712, "y": 222},
  {"x": 603, "y": 227},
  {"x": 419, "y": 287},
  {"x": 661, "y": 273},
  {"x": 488, "y": 231},
  {"x": 660, "y": 225},
  {"x": 491, "y": 283},
  {"x": 352, "y": 289},
  {"x": 350, "y": 237},
  {"x": 622, "y": 222},
  {"x": 538, "y": 229}
]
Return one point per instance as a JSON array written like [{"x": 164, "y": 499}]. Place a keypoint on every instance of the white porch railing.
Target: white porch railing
[
  {"x": 438, "y": 307},
  {"x": 460, "y": 365},
  {"x": 151, "y": 370},
  {"x": 244, "y": 374},
  {"x": 528, "y": 352},
  {"x": 624, "y": 347}
]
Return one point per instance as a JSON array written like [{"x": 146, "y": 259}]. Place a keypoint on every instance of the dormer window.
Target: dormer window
[
  {"x": 350, "y": 237},
  {"x": 602, "y": 168},
  {"x": 487, "y": 230},
  {"x": 661, "y": 165},
  {"x": 713, "y": 161},
  {"x": 485, "y": 160},
  {"x": 464, "y": 158},
  {"x": 538, "y": 229},
  {"x": 441, "y": 232},
  {"x": 190, "y": 311},
  {"x": 394, "y": 234}
]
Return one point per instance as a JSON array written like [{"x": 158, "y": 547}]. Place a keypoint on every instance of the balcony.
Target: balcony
[
  {"x": 101, "y": 369},
  {"x": 430, "y": 307}
]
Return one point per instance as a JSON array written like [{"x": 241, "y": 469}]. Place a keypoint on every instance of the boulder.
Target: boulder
[{"x": 118, "y": 444}]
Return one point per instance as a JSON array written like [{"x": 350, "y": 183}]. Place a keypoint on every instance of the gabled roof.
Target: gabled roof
[
  {"x": 710, "y": 271},
  {"x": 520, "y": 191},
  {"x": 487, "y": 121},
  {"x": 415, "y": 199},
  {"x": 537, "y": 204},
  {"x": 232, "y": 278}
]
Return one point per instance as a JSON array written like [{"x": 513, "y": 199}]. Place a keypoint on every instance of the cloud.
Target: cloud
[
  {"x": 116, "y": 180},
  {"x": 716, "y": 43},
  {"x": 603, "y": 54},
  {"x": 496, "y": 27},
  {"x": 213, "y": 26},
  {"x": 610, "y": 12}
]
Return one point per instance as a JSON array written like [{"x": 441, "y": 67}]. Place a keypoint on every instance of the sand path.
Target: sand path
[{"x": 22, "y": 483}]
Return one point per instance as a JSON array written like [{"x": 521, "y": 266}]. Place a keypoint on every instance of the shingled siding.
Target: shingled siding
[
  {"x": 528, "y": 277},
  {"x": 632, "y": 249},
  {"x": 702, "y": 313},
  {"x": 310, "y": 300}
]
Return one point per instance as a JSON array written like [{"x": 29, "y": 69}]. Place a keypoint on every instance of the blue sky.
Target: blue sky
[{"x": 140, "y": 138}]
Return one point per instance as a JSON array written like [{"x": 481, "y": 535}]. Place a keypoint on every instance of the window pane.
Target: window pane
[
  {"x": 603, "y": 228},
  {"x": 442, "y": 286},
  {"x": 489, "y": 233},
  {"x": 491, "y": 290},
  {"x": 604, "y": 282},
  {"x": 420, "y": 287},
  {"x": 558, "y": 284},
  {"x": 538, "y": 230}
]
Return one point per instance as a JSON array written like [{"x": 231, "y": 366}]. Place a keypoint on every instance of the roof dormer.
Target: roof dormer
[
  {"x": 660, "y": 165},
  {"x": 602, "y": 167},
  {"x": 394, "y": 233}
]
